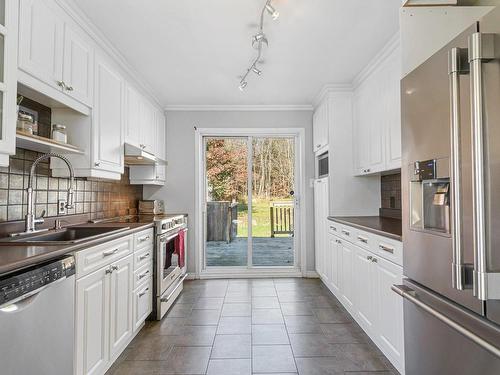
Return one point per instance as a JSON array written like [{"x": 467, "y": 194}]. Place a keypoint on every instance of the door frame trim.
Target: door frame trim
[{"x": 300, "y": 251}]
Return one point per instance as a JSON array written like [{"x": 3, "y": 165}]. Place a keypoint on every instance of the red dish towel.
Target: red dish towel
[{"x": 180, "y": 246}]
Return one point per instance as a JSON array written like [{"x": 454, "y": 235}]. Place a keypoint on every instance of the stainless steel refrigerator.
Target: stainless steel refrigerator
[{"x": 451, "y": 206}]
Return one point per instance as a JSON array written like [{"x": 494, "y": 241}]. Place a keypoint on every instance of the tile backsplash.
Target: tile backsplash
[
  {"x": 99, "y": 198},
  {"x": 390, "y": 195}
]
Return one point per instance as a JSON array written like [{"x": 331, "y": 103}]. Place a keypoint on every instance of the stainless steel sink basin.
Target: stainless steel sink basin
[{"x": 67, "y": 235}]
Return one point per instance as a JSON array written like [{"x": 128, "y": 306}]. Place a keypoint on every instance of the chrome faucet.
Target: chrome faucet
[{"x": 31, "y": 220}]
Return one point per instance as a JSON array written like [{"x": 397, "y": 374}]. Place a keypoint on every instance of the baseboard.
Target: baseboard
[{"x": 311, "y": 275}]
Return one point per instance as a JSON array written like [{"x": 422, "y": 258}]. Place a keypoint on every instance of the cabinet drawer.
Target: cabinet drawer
[
  {"x": 388, "y": 249},
  {"x": 93, "y": 258},
  {"x": 142, "y": 257},
  {"x": 143, "y": 303},
  {"x": 142, "y": 274},
  {"x": 143, "y": 239}
]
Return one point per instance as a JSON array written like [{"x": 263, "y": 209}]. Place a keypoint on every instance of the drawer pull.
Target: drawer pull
[
  {"x": 347, "y": 233},
  {"x": 363, "y": 239},
  {"x": 109, "y": 252},
  {"x": 143, "y": 275},
  {"x": 145, "y": 256},
  {"x": 386, "y": 248},
  {"x": 374, "y": 260},
  {"x": 333, "y": 228},
  {"x": 369, "y": 257},
  {"x": 143, "y": 239},
  {"x": 143, "y": 293}
]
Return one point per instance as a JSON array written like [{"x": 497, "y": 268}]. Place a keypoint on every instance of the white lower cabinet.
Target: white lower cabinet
[
  {"x": 109, "y": 310},
  {"x": 320, "y": 219},
  {"x": 360, "y": 275}
]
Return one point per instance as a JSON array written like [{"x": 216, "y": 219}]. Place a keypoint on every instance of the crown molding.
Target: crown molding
[
  {"x": 384, "y": 53},
  {"x": 81, "y": 19},
  {"x": 331, "y": 88},
  {"x": 215, "y": 107}
]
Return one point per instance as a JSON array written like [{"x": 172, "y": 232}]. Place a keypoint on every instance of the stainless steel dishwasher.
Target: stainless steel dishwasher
[{"x": 37, "y": 319}]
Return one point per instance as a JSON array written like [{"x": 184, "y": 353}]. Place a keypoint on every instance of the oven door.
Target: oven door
[{"x": 168, "y": 261}]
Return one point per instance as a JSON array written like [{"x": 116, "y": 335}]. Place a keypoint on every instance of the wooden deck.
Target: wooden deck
[{"x": 276, "y": 251}]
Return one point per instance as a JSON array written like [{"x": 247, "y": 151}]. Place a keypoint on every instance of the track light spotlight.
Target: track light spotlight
[
  {"x": 272, "y": 11},
  {"x": 243, "y": 85},
  {"x": 259, "y": 39},
  {"x": 256, "y": 70}
]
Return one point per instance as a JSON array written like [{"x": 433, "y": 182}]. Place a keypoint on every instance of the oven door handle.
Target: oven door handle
[
  {"x": 170, "y": 238},
  {"x": 165, "y": 299}
]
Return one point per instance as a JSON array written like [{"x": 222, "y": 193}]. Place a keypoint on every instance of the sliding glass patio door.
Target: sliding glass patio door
[{"x": 249, "y": 208}]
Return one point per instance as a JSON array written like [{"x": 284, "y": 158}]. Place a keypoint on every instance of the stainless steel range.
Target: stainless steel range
[{"x": 169, "y": 263}]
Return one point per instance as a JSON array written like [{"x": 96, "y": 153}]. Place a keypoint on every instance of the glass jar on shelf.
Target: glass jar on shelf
[
  {"x": 25, "y": 123},
  {"x": 59, "y": 133}
]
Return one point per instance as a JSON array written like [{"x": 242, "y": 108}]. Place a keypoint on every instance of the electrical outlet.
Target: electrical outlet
[{"x": 61, "y": 206}]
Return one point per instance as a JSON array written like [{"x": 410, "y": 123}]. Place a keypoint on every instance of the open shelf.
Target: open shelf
[{"x": 45, "y": 145}]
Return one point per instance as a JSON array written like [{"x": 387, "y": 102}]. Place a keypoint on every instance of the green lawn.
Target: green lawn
[{"x": 260, "y": 218}]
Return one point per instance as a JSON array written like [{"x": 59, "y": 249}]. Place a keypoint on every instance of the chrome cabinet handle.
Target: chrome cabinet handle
[
  {"x": 69, "y": 88},
  {"x": 333, "y": 228},
  {"x": 347, "y": 233},
  {"x": 61, "y": 84},
  {"x": 410, "y": 295},
  {"x": 143, "y": 275},
  {"x": 363, "y": 239},
  {"x": 374, "y": 260},
  {"x": 481, "y": 49},
  {"x": 109, "y": 252},
  {"x": 145, "y": 256},
  {"x": 114, "y": 268},
  {"x": 369, "y": 257},
  {"x": 457, "y": 65},
  {"x": 386, "y": 248},
  {"x": 143, "y": 292},
  {"x": 142, "y": 239},
  {"x": 97, "y": 163},
  {"x": 109, "y": 270}
]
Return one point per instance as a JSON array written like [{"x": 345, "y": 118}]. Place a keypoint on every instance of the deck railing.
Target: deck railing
[{"x": 282, "y": 215}]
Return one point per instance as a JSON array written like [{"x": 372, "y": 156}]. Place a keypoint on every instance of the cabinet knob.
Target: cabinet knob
[
  {"x": 109, "y": 270},
  {"x": 114, "y": 268},
  {"x": 97, "y": 163},
  {"x": 61, "y": 84},
  {"x": 318, "y": 145},
  {"x": 374, "y": 260},
  {"x": 69, "y": 88}
]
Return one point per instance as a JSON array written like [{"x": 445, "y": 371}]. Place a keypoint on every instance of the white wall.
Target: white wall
[{"x": 179, "y": 190}]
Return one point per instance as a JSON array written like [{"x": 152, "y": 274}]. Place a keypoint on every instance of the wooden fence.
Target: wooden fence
[
  {"x": 222, "y": 221},
  {"x": 282, "y": 216}
]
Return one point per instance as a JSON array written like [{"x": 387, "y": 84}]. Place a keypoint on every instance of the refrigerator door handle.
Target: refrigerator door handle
[
  {"x": 481, "y": 50},
  {"x": 410, "y": 295},
  {"x": 457, "y": 65}
]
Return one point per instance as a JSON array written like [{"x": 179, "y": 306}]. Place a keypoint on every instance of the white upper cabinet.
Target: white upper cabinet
[
  {"x": 148, "y": 127},
  {"x": 320, "y": 127},
  {"x": 55, "y": 54},
  {"x": 41, "y": 39},
  {"x": 133, "y": 117},
  {"x": 8, "y": 79},
  {"x": 377, "y": 114},
  {"x": 161, "y": 142},
  {"x": 78, "y": 69},
  {"x": 108, "y": 117}
]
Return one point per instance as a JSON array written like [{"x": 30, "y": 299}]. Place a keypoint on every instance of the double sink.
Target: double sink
[{"x": 69, "y": 235}]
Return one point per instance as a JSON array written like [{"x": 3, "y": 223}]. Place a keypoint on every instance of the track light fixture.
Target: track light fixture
[{"x": 259, "y": 40}]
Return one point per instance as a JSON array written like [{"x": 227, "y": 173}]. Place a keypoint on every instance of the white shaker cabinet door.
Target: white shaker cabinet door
[
  {"x": 389, "y": 307},
  {"x": 133, "y": 117},
  {"x": 41, "y": 41},
  {"x": 78, "y": 71},
  {"x": 347, "y": 284},
  {"x": 148, "y": 127},
  {"x": 108, "y": 119},
  {"x": 121, "y": 309},
  {"x": 364, "y": 274},
  {"x": 92, "y": 323}
]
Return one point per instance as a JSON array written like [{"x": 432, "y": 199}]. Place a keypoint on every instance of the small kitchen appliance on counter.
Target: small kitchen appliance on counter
[{"x": 152, "y": 207}]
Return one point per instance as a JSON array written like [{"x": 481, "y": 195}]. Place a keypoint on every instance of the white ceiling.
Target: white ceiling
[{"x": 191, "y": 52}]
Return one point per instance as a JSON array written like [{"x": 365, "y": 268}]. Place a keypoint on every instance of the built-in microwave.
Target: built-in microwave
[{"x": 322, "y": 165}]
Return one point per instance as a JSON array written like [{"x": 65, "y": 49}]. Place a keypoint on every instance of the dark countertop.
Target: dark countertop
[
  {"x": 16, "y": 256},
  {"x": 384, "y": 226}
]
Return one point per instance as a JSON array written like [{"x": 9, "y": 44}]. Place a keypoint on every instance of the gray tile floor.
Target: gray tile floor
[{"x": 259, "y": 326}]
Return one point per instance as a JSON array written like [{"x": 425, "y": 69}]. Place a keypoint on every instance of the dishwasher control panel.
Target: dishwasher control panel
[{"x": 28, "y": 281}]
